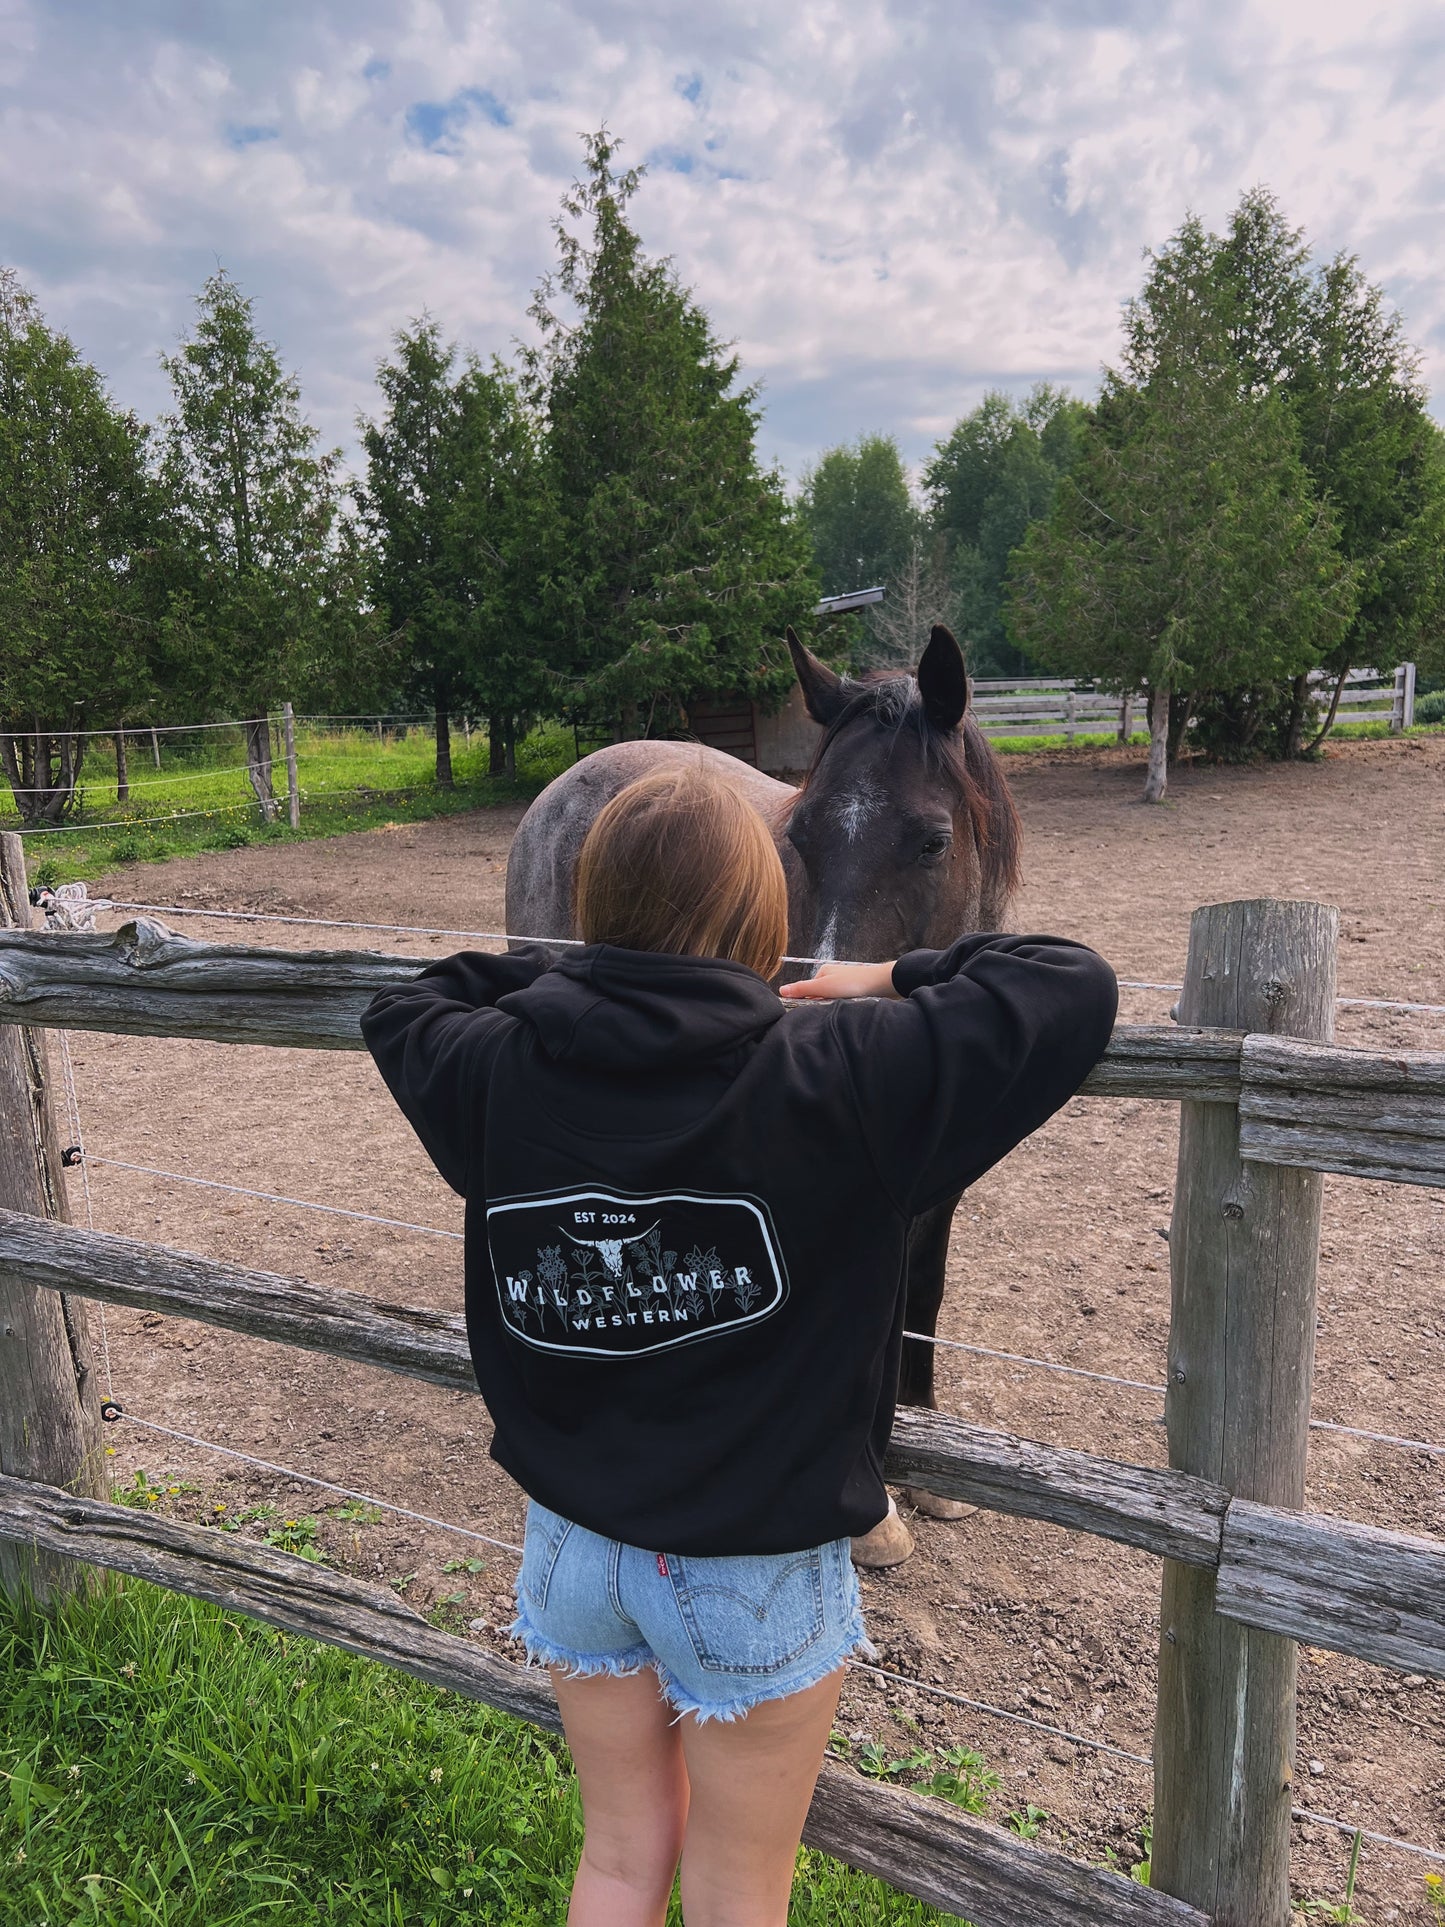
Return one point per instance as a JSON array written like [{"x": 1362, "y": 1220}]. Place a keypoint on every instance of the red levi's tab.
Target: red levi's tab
[{"x": 661, "y": 1566}]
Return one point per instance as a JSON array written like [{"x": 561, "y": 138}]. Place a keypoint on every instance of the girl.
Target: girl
[{"x": 688, "y": 1198}]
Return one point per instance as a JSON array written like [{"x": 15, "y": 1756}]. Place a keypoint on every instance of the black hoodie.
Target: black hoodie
[{"x": 688, "y": 1207}]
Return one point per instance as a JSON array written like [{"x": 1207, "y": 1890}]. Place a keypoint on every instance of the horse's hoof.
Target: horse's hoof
[
  {"x": 888, "y": 1544},
  {"x": 934, "y": 1507}
]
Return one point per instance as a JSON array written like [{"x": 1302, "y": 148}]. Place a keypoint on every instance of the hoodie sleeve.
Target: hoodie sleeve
[
  {"x": 432, "y": 1040},
  {"x": 991, "y": 1037}
]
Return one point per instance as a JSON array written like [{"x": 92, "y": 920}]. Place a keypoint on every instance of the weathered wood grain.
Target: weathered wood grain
[
  {"x": 1379, "y": 1595},
  {"x": 260, "y": 1304},
  {"x": 1237, "y": 1407},
  {"x": 144, "y": 981},
  {"x": 921, "y": 1846},
  {"x": 1365, "y": 1114},
  {"x": 49, "y": 1400},
  {"x": 1167, "y": 1513},
  {"x": 1243, "y": 1245},
  {"x": 965, "y": 1866},
  {"x": 1158, "y": 1511},
  {"x": 1293, "y": 1064},
  {"x": 1168, "y": 1061},
  {"x": 1348, "y": 1151},
  {"x": 267, "y": 1584}
]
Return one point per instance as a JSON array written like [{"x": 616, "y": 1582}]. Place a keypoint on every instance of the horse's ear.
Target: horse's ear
[
  {"x": 823, "y": 688},
  {"x": 943, "y": 680}
]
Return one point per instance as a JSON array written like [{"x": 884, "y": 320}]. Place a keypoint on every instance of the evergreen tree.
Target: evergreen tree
[
  {"x": 681, "y": 561},
  {"x": 994, "y": 476},
  {"x": 1188, "y": 552},
  {"x": 408, "y": 500},
  {"x": 501, "y": 536},
  {"x": 270, "y": 572},
  {"x": 1323, "y": 341},
  {"x": 77, "y": 533}
]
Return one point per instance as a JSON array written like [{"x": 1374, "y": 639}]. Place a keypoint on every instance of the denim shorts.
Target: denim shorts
[{"x": 721, "y": 1634}]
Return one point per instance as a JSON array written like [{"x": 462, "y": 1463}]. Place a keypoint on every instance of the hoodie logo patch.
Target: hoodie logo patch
[{"x": 606, "y": 1274}]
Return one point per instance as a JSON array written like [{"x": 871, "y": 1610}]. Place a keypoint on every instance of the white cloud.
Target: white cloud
[{"x": 890, "y": 204}]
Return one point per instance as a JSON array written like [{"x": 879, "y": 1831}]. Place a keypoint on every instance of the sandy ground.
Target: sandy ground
[{"x": 1056, "y": 1254}]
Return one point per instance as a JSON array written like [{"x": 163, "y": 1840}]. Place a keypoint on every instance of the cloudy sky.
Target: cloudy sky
[{"x": 890, "y": 205}]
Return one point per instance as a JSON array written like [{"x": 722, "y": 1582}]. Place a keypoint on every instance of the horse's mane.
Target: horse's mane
[{"x": 964, "y": 758}]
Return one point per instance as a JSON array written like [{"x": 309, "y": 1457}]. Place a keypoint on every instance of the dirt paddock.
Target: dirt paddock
[{"x": 1056, "y": 1254}]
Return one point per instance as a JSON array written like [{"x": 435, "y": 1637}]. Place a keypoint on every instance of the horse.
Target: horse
[{"x": 901, "y": 836}]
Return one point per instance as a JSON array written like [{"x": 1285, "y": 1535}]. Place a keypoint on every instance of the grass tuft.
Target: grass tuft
[{"x": 165, "y": 1764}]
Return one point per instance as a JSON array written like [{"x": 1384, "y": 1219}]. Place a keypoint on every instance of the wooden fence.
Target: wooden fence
[
  {"x": 1268, "y": 1104},
  {"x": 1059, "y": 706}
]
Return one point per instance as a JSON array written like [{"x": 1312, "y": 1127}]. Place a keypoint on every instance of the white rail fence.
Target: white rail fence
[{"x": 1063, "y": 706}]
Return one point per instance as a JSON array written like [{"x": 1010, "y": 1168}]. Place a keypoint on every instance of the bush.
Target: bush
[
  {"x": 233, "y": 837},
  {"x": 1430, "y": 708},
  {"x": 126, "y": 849}
]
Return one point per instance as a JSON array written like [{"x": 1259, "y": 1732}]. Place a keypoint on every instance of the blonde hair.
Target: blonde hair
[{"x": 678, "y": 862}]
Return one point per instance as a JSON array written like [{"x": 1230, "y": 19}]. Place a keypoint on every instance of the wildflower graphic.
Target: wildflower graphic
[
  {"x": 611, "y": 1284},
  {"x": 746, "y": 1290},
  {"x": 552, "y": 1267}
]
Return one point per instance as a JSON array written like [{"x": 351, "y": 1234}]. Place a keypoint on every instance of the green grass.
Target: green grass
[
  {"x": 165, "y": 1764},
  {"x": 348, "y": 780}
]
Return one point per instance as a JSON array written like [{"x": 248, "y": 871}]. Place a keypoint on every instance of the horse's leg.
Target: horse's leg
[
  {"x": 890, "y": 1542},
  {"x": 927, "y": 1263}
]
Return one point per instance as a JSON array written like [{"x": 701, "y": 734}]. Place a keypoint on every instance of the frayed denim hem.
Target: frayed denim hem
[
  {"x": 542, "y": 1652},
  {"x": 855, "y": 1645}
]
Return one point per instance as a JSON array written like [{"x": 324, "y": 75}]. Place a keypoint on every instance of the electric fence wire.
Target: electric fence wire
[
  {"x": 502, "y": 936},
  {"x": 309, "y": 1478},
  {"x": 922, "y": 1338},
  {"x": 143, "y": 782},
  {"x": 308, "y": 796}
]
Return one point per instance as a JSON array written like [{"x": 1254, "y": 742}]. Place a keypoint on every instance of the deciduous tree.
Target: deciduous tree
[
  {"x": 994, "y": 476},
  {"x": 855, "y": 503}
]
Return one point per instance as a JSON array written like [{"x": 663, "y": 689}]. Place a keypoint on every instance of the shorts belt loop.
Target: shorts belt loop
[{"x": 614, "y": 1578}]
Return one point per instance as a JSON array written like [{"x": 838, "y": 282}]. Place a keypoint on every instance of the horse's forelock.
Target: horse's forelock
[{"x": 892, "y": 702}]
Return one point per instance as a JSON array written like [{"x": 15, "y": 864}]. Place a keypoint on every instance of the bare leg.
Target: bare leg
[
  {"x": 752, "y": 1780},
  {"x": 627, "y": 1749}
]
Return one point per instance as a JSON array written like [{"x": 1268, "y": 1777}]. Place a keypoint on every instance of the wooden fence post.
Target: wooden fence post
[
  {"x": 1244, "y": 1244},
  {"x": 288, "y": 724},
  {"x": 49, "y": 1399}
]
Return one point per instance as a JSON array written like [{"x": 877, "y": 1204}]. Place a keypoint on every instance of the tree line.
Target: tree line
[
  {"x": 1254, "y": 505},
  {"x": 588, "y": 532}
]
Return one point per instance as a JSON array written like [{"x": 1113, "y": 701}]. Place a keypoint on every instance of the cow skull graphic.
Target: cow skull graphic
[{"x": 609, "y": 1248}]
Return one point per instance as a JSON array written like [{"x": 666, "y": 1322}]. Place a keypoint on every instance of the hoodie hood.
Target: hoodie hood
[{"x": 635, "y": 1010}]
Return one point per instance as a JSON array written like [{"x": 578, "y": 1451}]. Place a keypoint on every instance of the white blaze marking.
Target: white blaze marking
[
  {"x": 853, "y": 811},
  {"x": 825, "y": 946}
]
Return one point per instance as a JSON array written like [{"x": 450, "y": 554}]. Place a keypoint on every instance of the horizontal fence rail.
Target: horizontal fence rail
[
  {"x": 1357, "y": 1113},
  {"x": 922, "y": 1846},
  {"x": 1277, "y": 1568}
]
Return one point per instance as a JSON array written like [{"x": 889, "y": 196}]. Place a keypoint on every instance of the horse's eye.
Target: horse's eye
[{"x": 935, "y": 846}]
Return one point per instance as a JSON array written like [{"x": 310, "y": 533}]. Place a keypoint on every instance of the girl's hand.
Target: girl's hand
[{"x": 839, "y": 980}]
